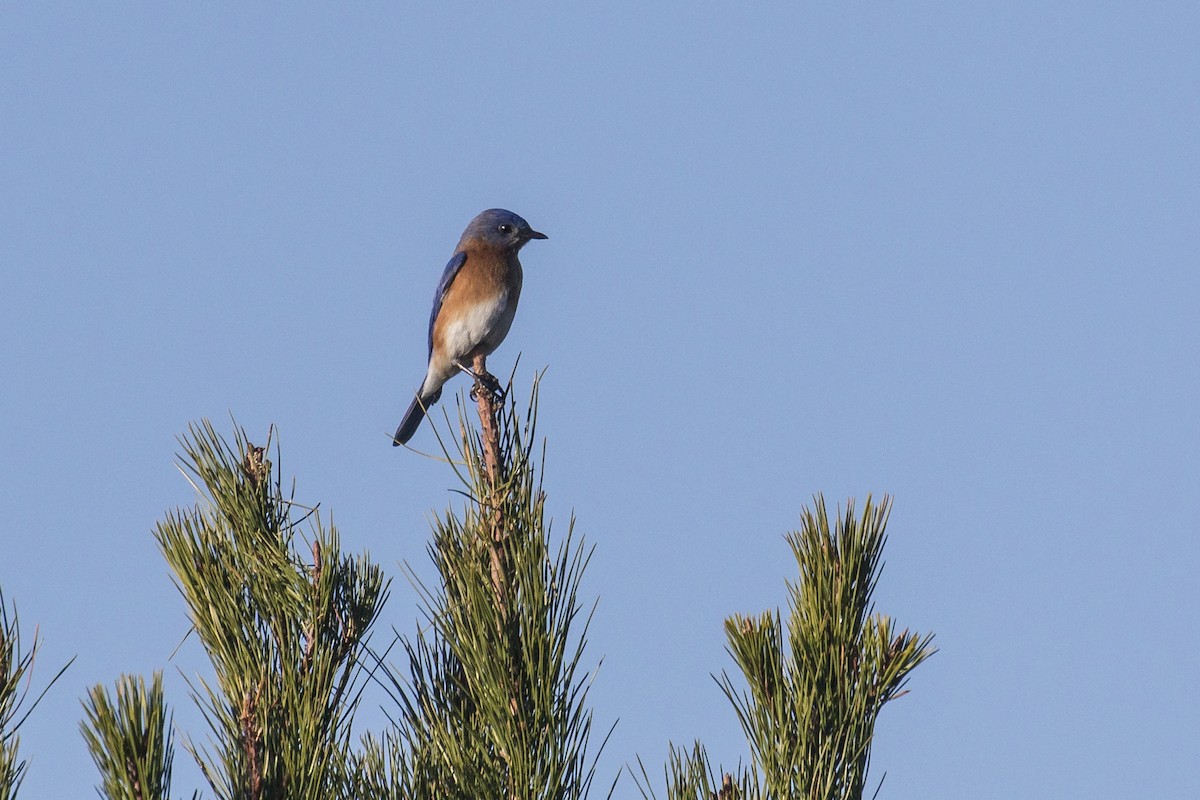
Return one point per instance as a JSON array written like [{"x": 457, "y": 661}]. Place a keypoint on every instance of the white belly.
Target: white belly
[{"x": 480, "y": 329}]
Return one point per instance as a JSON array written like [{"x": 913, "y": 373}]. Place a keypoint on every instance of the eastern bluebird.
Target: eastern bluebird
[{"x": 473, "y": 306}]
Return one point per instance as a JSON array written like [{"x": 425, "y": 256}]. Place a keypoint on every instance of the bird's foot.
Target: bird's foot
[{"x": 487, "y": 382}]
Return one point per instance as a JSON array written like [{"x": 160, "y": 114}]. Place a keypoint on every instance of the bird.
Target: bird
[{"x": 473, "y": 306}]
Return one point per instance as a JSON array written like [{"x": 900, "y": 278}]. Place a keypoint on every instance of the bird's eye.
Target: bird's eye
[{"x": 505, "y": 228}]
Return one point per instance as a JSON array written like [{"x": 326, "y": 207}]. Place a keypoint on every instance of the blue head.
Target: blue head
[{"x": 501, "y": 229}]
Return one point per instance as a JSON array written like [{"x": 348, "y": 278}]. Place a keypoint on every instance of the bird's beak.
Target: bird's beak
[{"x": 535, "y": 235}]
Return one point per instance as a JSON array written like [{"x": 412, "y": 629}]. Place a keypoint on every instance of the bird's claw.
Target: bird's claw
[{"x": 487, "y": 382}]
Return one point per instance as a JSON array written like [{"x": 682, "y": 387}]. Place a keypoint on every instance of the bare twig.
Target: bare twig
[{"x": 489, "y": 408}]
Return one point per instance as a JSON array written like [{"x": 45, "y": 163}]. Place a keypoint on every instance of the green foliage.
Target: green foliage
[
  {"x": 285, "y": 635},
  {"x": 813, "y": 690},
  {"x": 16, "y": 665},
  {"x": 130, "y": 739},
  {"x": 493, "y": 700},
  {"x": 690, "y": 776},
  {"x": 495, "y": 703}
]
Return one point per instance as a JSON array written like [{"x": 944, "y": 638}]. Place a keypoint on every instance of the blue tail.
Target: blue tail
[{"x": 412, "y": 418}]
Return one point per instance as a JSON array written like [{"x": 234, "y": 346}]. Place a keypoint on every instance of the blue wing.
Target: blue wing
[{"x": 452, "y": 269}]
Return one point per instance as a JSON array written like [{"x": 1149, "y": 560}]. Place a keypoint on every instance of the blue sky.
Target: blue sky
[{"x": 946, "y": 251}]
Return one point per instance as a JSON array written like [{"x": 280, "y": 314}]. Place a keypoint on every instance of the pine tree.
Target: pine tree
[
  {"x": 492, "y": 699},
  {"x": 494, "y": 702},
  {"x": 286, "y": 637},
  {"x": 814, "y": 688}
]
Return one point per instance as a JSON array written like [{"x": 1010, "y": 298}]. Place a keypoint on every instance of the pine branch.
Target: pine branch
[
  {"x": 494, "y": 704},
  {"x": 813, "y": 688},
  {"x": 690, "y": 776},
  {"x": 130, "y": 739},
  {"x": 285, "y": 637},
  {"x": 16, "y": 681},
  {"x": 489, "y": 402}
]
